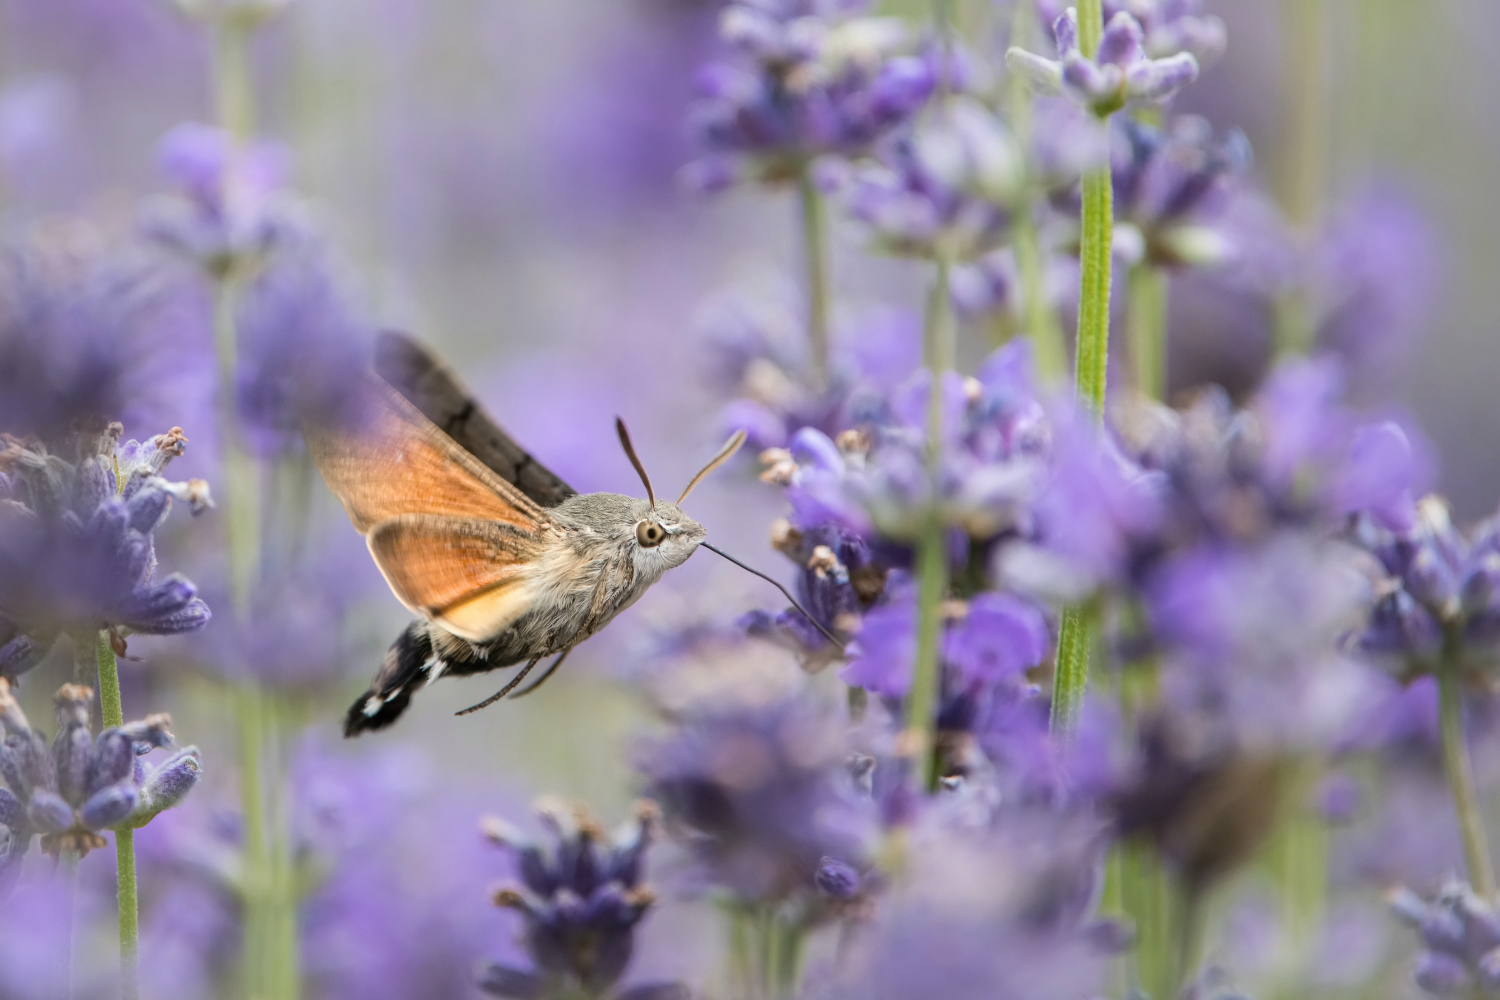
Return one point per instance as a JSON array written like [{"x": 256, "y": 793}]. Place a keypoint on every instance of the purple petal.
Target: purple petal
[
  {"x": 1043, "y": 75},
  {"x": 1158, "y": 79},
  {"x": 49, "y": 813},
  {"x": 114, "y": 759},
  {"x": 1121, "y": 43},
  {"x": 110, "y": 805},
  {"x": 1065, "y": 32}
]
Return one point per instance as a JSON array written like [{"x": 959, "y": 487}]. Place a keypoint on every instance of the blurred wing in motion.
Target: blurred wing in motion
[
  {"x": 433, "y": 388},
  {"x": 451, "y": 537},
  {"x": 467, "y": 575}
]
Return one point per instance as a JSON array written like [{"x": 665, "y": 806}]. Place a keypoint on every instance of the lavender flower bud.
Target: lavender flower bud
[
  {"x": 1443, "y": 930},
  {"x": 151, "y": 733},
  {"x": 1408, "y": 907},
  {"x": 12, "y": 811},
  {"x": 1489, "y": 971},
  {"x": 113, "y": 760},
  {"x": 110, "y": 805},
  {"x": 1122, "y": 41},
  {"x": 837, "y": 880},
  {"x": 49, "y": 813},
  {"x": 503, "y": 981},
  {"x": 72, "y": 754},
  {"x": 1440, "y": 974},
  {"x": 168, "y": 784}
]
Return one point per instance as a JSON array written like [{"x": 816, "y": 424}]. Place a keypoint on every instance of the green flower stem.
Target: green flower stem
[
  {"x": 270, "y": 896},
  {"x": 69, "y": 860},
  {"x": 1298, "y": 856},
  {"x": 1075, "y": 637},
  {"x": 1149, "y": 901},
  {"x": 816, "y": 251},
  {"x": 130, "y": 935},
  {"x": 932, "y": 556},
  {"x": 1146, "y": 325},
  {"x": 234, "y": 94},
  {"x": 1090, "y": 26},
  {"x": 1075, "y": 634},
  {"x": 1456, "y": 766},
  {"x": 241, "y": 488},
  {"x": 1302, "y": 170},
  {"x": 1093, "y": 301},
  {"x": 284, "y": 971}
]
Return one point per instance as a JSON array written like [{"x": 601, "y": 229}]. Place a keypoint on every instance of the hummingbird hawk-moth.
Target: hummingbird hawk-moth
[{"x": 505, "y": 563}]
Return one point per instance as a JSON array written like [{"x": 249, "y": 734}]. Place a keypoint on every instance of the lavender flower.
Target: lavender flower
[
  {"x": 230, "y": 211},
  {"x": 760, "y": 796},
  {"x": 1170, "y": 26},
  {"x": 1373, "y": 279},
  {"x": 301, "y": 336},
  {"x": 1434, "y": 589},
  {"x": 1461, "y": 934},
  {"x": 76, "y": 550},
  {"x": 580, "y": 906},
  {"x": 812, "y": 80},
  {"x": 1171, "y": 189},
  {"x": 1121, "y": 72},
  {"x": 78, "y": 338},
  {"x": 941, "y": 188},
  {"x": 81, "y": 786}
]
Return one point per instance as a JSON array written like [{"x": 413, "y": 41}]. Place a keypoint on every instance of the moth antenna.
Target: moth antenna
[
  {"x": 635, "y": 460},
  {"x": 837, "y": 642},
  {"x": 725, "y": 454}
]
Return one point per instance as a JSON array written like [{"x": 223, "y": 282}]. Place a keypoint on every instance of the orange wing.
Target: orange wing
[
  {"x": 397, "y": 462},
  {"x": 467, "y": 575},
  {"x": 453, "y": 539}
]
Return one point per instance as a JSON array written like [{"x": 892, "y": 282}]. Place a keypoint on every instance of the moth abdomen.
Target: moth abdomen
[{"x": 405, "y": 669}]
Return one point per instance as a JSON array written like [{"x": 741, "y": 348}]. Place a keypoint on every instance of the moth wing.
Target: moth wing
[
  {"x": 468, "y": 575},
  {"x": 433, "y": 388},
  {"x": 393, "y": 461}
]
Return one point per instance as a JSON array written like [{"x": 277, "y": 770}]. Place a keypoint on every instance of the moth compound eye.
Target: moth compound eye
[{"x": 649, "y": 534}]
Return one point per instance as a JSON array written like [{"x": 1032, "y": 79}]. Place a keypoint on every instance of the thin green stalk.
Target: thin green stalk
[
  {"x": 130, "y": 935},
  {"x": 816, "y": 251},
  {"x": 1189, "y": 919},
  {"x": 1456, "y": 766},
  {"x": 234, "y": 95},
  {"x": 1149, "y": 900},
  {"x": 932, "y": 555},
  {"x": 1075, "y": 634},
  {"x": 789, "y": 958},
  {"x": 256, "y": 885},
  {"x": 69, "y": 861},
  {"x": 241, "y": 489},
  {"x": 1146, "y": 326},
  {"x": 1299, "y": 856},
  {"x": 1303, "y": 167},
  {"x": 741, "y": 983},
  {"x": 1090, "y": 26},
  {"x": 284, "y": 972},
  {"x": 270, "y": 955},
  {"x": 1093, "y": 300}
]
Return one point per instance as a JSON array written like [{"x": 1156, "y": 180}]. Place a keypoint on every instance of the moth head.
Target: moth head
[
  {"x": 664, "y": 535},
  {"x": 663, "y": 526}
]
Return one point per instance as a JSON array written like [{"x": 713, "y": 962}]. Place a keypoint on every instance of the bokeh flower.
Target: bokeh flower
[
  {"x": 580, "y": 903},
  {"x": 1121, "y": 72}
]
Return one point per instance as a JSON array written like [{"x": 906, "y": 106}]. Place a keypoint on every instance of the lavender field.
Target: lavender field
[{"x": 1117, "y": 389}]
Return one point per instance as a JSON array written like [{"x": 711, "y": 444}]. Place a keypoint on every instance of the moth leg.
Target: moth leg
[
  {"x": 509, "y": 687},
  {"x": 551, "y": 668}
]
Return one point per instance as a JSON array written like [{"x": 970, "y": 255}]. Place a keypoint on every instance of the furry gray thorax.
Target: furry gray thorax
[{"x": 594, "y": 568}]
